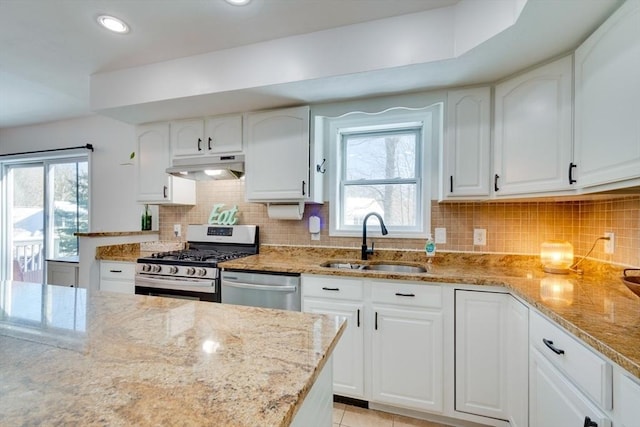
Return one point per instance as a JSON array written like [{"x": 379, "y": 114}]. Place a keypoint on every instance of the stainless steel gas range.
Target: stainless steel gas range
[{"x": 193, "y": 273}]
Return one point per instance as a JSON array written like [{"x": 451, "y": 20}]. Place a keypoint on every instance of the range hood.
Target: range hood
[{"x": 208, "y": 167}]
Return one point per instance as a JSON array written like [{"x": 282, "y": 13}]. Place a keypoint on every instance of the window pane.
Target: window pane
[
  {"x": 396, "y": 203},
  {"x": 380, "y": 156},
  {"x": 70, "y": 213},
  {"x": 27, "y": 217}
]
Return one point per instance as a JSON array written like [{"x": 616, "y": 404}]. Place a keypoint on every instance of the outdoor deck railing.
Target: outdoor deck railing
[{"x": 28, "y": 260}]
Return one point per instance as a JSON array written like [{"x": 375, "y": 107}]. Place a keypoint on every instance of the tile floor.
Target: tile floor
[{"x": 352, "y": 416}]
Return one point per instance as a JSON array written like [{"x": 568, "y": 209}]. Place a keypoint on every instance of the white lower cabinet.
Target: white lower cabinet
[
  {"x": 348, "y": 371},
  {"x": 466, "y": 353},
  {"x": 406, "y": 358},
  {"x": 628, "y": 401},
  {"x": 392, "y": 349},
  {"x": 555, "y": 401},
  {"x": 491, "y": 355},
  {"x": 569, "y": 383},
  {"x": 62, "y": 273},
  {"x": 116, "y": 276},
  {"x": 341, "y": 297}
]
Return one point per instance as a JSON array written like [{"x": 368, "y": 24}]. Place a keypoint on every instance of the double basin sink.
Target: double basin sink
[{"x": 376, "y": 266}]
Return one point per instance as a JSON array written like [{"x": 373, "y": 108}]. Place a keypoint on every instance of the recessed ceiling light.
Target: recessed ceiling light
[
  {"x": 114, "y": 24},
  {"x": 238, "y": 2}
]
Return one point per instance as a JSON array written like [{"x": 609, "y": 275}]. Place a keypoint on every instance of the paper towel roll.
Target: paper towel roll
[{"x": 285, "y": 211}]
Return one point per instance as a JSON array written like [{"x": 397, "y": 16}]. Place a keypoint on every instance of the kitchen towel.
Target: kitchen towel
[{"x": 285, "y": 211}]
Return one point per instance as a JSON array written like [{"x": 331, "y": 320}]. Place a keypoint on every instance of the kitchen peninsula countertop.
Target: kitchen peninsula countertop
[
  {"x": 70, "y": 358},
  {"x": 595, "y": 307}
]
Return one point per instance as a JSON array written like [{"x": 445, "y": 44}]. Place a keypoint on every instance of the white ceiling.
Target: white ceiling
[{"x": 49, "y": 48}]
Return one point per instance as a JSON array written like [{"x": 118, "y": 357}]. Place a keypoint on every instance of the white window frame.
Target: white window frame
[
  {"x": 394, "y": 118},
  {"x": 46, "y": 159}
]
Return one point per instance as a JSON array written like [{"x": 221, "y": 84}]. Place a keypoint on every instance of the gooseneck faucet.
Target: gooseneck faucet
[{"x": 365, "y": 251}]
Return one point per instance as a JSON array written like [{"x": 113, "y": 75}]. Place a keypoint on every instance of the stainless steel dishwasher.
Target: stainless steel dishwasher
[{"x": 257, "y": 289}]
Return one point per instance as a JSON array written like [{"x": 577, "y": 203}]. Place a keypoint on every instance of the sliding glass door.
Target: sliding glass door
[{"x": 44, "y": 203}]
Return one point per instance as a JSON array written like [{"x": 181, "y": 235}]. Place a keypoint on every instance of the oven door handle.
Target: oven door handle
[
  {"x": 277, "y": 288},
  {"x": 172, "y": 283}
]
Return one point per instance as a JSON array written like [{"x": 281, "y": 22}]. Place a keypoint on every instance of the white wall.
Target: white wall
[{"x": 113, "y": 206}]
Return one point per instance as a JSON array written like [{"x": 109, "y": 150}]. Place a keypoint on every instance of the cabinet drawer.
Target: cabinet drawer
[
  {"x": 588, "y": 370},
  {"x": 329, "y": 287},
  {"x": 409, "y": 294},
  {"x": 113, "y": 270},
  {"x": 117, "y": 286}
]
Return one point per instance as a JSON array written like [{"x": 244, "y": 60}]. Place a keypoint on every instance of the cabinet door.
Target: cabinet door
[
  {"x": 62, "y": 273},
  {"x": 608, "y": 100},
  {"x": 481, "y": 350},
  {"x": 152, "y": 159},
  {"x": 533, "y": 122},
  {"x": 117, "y": 277},
  {"x": 154, "y": 185},
  {"x": 407, "y": 358},
  {"x": 491, "y": 347},
  {"x": 467, "y": 150},
  {"x": 277, "y": 155},
  {"x": 187, "y": 138},
  {"x": 627, "y": 401},
  {"x": 554, "y": 401},
  {"x": 517, "y": 363},
  {"x": 348, "y": 357},
  {"x": 223, "y": 134}
]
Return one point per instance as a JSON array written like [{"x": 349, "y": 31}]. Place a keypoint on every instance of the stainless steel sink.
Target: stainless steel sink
[
  {"x": 396, "y": 268},
  {"x": 376, "y": 266},
  {"x": 344, "y": 265}
]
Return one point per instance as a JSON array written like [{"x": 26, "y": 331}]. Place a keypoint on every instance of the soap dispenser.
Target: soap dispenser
[{"x": 430, "y": 246}]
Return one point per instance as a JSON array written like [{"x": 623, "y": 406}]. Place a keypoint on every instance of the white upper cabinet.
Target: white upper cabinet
[
  {"x": 467, "y": 149},
  {"x": 153, "y": 157},
  {"x": 186, "y": 137},
  {"x": 213, "y": 135},
  {"x": 607, "y": 102},
  {"x": 223, "y": 134},
  {"x": 533, "y": 131},
  {"x": 277, "y": 156}
]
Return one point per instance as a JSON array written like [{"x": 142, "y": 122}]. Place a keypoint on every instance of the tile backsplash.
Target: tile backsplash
[{"x": 513, "y": 227}]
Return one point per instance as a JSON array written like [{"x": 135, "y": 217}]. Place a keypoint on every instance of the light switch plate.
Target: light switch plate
[{"x": 440, "y": 235}]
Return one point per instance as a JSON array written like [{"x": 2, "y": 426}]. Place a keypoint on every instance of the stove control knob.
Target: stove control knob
[
  {"x": 146, "y": 267},
  {"x": 201, "y": 272},
  {"x": 156, "y": 268},
  {"x": 173, "y": 269},
  {"x": 190, "y": 271}
]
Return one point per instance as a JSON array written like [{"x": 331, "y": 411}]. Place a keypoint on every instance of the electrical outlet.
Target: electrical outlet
[
  {"x": 177, "y": 230},
  {"x": 609, "y": 245},
  {"x": 480, "y": 236},
  {"x": 440, "y": 235}
]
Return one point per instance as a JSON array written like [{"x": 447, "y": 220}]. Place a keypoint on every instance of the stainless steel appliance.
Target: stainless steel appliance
[
  {"x": 193, "y": 273},
  {"x": 269, "y": 290}
]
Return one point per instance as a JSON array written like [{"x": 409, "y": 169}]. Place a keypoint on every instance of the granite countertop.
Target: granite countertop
[
  {"x": 115, "y": 233},
  {"x": 596, "y": 307},
  {"x": 69, "y": 358},
  {"x": 74, "y": 259},
  {"x": 130, "y": 252}
]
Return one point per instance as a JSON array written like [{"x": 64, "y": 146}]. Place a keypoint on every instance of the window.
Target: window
[
  {"x": 382, "y": 165},
  {"x": 46, "y": 201}
]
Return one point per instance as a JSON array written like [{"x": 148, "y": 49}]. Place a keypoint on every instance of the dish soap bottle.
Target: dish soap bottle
[
  {"x": 146, "y": 218},
  {"x": 430, "y": 247}
]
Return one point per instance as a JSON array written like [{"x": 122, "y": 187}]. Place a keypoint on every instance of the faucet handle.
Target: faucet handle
[{"x": 373, "y": 244}]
